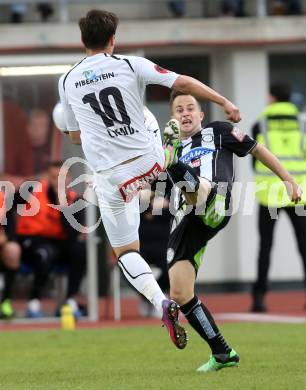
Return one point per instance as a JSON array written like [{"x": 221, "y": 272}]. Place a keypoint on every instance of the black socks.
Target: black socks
[
  {"x": 200, "y": 318},
  {"x": 9, "y": 279}
]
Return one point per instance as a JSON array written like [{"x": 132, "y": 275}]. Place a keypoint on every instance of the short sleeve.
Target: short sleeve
[
  {"x": 235, "y": 139},
  {"x": 152, "y": 126},
  {"x": 150, "y": 73},
  {"x": 150, "y": 120},
  {"x": 71, "y": 122}
]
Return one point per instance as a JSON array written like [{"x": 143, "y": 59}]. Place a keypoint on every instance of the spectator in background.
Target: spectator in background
[
  {"x": 15, "y": 127},
  {"x": 10, "y": 253},
  {"x": 279, "y": 130},
  {"x": 45, "y": 10},
  {"x": 18, "y": 11},
  {"x": 232, "y": 8},
  {"x": 294, "y": 7},
  {"x": 177, "y": 8},
  {"x": 286, "y": 7},
  {"x": 48, "y": 239},
  {"x": 29, "y": 157},
  {"x": 39, "y": 130}
]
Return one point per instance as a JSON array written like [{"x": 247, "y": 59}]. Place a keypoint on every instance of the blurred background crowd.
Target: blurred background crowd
[{"x": 19, "y": 12}]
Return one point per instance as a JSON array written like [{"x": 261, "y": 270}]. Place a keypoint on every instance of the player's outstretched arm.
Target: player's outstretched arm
[
  {"x": 262, "y": 154},
  {"x": 194, "y": 87}
]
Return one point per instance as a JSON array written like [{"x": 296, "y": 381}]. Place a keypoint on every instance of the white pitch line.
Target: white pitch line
[{"x": 257, "y": 317}]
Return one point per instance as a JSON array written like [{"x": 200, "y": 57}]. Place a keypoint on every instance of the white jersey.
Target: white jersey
[
  {"x": 102, "y": 96},
  {"x": 152, "y": 126}
]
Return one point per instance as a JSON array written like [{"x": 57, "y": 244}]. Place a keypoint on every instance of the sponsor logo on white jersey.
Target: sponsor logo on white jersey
[
  {"x": 92, "y": 78},
  {"x": 130, "y": 188}
]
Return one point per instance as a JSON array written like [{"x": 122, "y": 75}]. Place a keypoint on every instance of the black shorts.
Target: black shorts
[{"x": 190, "y": 233}]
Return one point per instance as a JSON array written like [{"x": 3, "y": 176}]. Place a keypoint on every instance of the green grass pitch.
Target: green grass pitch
[{"x": 273, "y": 356}]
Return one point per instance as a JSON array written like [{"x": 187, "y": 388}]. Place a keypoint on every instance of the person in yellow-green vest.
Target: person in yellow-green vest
[{"x": 281, "y": 130}]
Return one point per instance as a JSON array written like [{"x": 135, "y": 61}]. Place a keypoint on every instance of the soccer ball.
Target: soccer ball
[{"x": 59, "y": 118}]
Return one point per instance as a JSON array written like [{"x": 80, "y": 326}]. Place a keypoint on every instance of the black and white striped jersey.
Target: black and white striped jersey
[{"x": 210, "y": 151}]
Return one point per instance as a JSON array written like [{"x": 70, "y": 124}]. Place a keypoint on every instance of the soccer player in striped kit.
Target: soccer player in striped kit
[{"x": 201, "y": 214}]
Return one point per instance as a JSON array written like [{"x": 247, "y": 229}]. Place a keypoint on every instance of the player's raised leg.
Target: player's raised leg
[{"x": 120, "y": 215}]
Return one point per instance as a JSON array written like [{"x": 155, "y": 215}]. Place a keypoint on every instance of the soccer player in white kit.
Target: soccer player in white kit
[{"x": 102, "y": 98}]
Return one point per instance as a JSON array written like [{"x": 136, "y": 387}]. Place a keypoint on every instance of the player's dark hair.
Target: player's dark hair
[
  {"x": 280, "y": 91},
  {"x": 97, "y": 28},
  {"x": 175, "y": 93}
]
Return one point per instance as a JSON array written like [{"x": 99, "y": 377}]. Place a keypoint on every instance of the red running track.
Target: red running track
[{"x": 289, "y": 305}]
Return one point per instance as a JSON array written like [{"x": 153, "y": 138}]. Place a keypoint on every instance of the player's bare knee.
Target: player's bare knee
[
  {"x": 200, "y": 197},
  {"x": 11, "y": 254},
  {"x": 203, "y": 191},
  {"x": 176, "y": 296},
  {"x": 121, "y": 250},
  {"x": 180, "y": 296}
]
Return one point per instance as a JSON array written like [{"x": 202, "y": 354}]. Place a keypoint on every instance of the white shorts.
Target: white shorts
[{"x": 118, "y": 189}]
